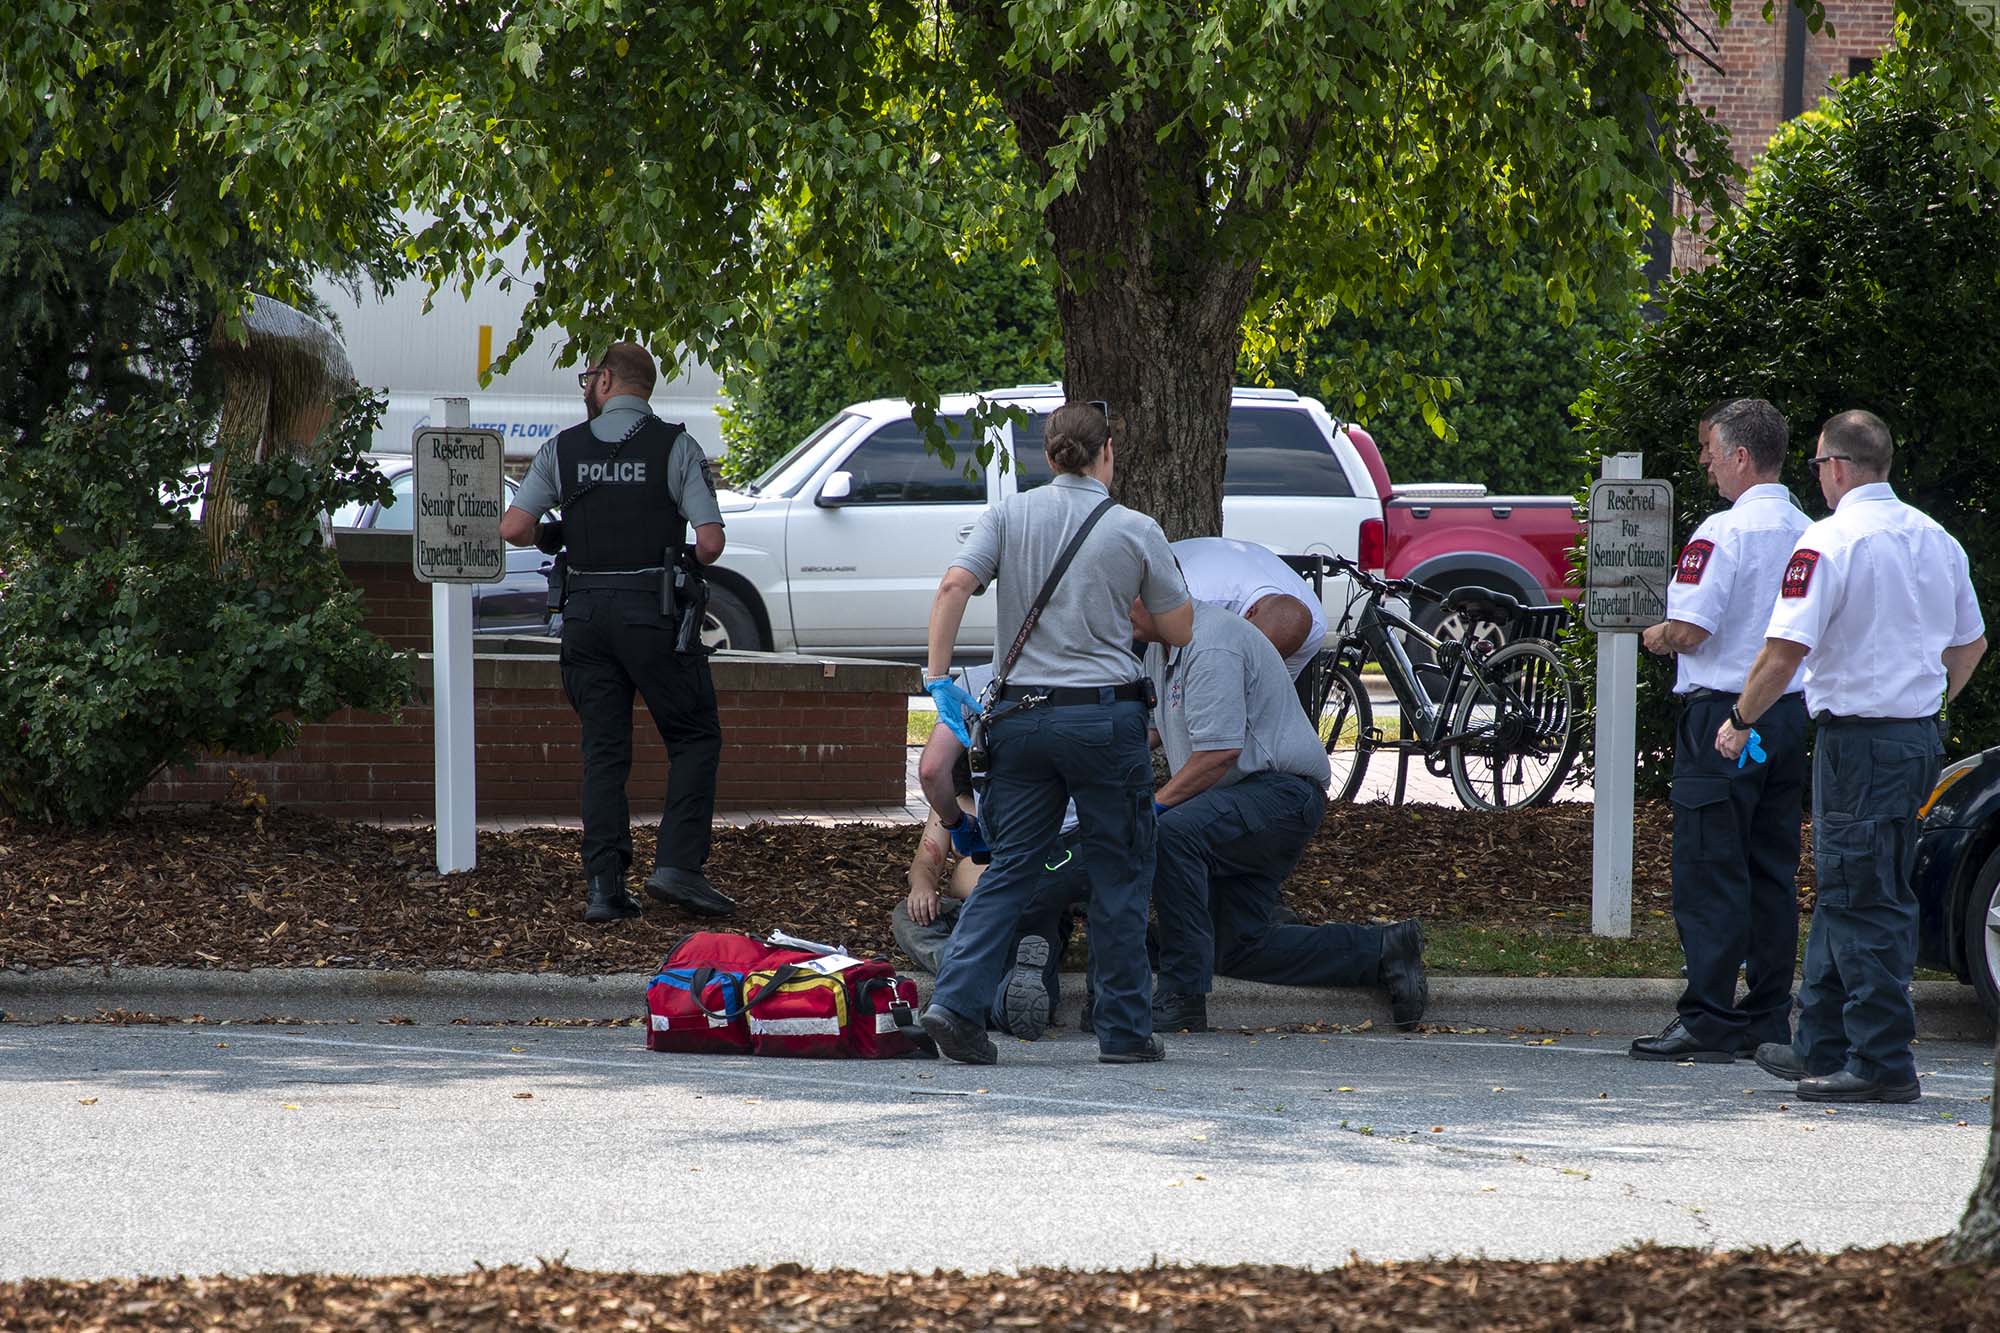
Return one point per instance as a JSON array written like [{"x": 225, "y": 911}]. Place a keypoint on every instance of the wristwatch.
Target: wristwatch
[{"x": 1736, "y": 719}]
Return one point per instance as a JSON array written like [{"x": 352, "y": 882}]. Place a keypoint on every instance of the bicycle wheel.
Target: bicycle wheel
[
  {"x": 1514, "y": 729},
  {"x": 1345, "y": 721}
]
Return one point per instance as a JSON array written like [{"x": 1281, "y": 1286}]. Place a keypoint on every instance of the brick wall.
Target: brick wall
[
  {"x": 1747, "y": 96},
  {"x": 793, "y": 736},
  {"x": 797, "y": 732}
]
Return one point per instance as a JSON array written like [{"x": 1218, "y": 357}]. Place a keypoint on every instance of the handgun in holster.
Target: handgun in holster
[
  {"x": 549, "y": 541},
  {"x": 691, "y": 600}
]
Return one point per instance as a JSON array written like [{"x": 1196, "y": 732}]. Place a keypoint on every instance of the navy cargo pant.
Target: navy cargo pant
[
  {"x": 1061, "y": 889},
  {"x": 1869, "y": 778},
  {"x": 1037, "y": 759},
  {"x": 1736, "y": 865},
  {"x": 613, "y": 645},
  {"x": 1222, "y": 860}
]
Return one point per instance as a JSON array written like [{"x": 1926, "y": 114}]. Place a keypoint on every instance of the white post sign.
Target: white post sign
[
  {"x": 460, "y": 493},
  {"x": 1629, "y": 557}
]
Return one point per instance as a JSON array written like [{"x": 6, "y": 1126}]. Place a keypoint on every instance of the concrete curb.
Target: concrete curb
[{"x": 1610, "y": 1006}]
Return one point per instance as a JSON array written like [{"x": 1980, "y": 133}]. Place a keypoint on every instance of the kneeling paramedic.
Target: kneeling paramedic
[
  {"x": 1246, "y": 794},
  {"x": 631, "y": 595}
]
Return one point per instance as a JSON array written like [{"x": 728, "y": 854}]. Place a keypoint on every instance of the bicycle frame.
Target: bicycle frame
[{"x": 1428, "y": 714}]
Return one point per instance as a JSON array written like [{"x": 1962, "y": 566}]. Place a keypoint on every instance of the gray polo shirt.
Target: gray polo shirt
[
  {"x": 1228, "y": 690},
  {"x": 1085, "y": 634},
  {"x": 687, "y": 480}
]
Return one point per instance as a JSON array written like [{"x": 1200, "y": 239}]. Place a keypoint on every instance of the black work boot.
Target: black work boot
[
  {"x": 1402, "y": 974},
  {"x": 688, "y": 889},
  {"x": 1178, "y": 1011},
  {"x": 609, "y": 900}
]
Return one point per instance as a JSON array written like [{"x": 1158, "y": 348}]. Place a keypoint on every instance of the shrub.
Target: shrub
[
  {"x": 124, "y": 647},
  {"x": 993, "y": 325},
  {"x": 1861, "y": 271},
  {"x": 1517, "y": 366}
]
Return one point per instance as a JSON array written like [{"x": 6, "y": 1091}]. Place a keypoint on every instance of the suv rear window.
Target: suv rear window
[
  {"x": 1280, "y": 451},
  {"x": 1272, "y": 451}
]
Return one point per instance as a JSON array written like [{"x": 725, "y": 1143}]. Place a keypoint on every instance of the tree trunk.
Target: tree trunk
[
  {"x": 1977, "y": 1239},
  {"x": 1151, "y": 296}
]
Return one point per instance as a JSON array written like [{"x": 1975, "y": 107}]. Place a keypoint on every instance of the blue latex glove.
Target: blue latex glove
[
  {"x": 968, "y": 836},
  {"x": 1159, "y": 809},
  {"x": 1753, "y": 750},
  {"x": 953, "y": 703}
]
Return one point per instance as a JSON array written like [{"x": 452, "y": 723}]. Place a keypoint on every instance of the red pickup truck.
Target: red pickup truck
[{"x": 1454, "y": 535}]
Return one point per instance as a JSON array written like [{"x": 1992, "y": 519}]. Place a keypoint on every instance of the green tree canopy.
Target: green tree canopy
[{"x": 673, "y": 166}]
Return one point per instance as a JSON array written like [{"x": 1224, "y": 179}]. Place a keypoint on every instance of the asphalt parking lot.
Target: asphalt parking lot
[{"x": 374, "y": 1148}]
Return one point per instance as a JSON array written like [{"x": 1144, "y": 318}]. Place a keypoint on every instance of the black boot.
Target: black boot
[
  {"x": 609, "y": 900},
  {"x": 1402, "y": 974},
  {"x": 688, "y": 889},
  {"x": 1176, "y": 1011}
]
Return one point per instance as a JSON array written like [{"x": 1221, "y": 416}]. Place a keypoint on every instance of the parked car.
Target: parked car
[
  {"x": 838, "y": 547},
  {"x": 518, "y": 604},
  {"x": 1957, "y": 878},
  {"x": 1453, "y": 535}
]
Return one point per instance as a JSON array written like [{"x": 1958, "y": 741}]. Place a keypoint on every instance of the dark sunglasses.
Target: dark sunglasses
[{"x": 1814, "y": 463}]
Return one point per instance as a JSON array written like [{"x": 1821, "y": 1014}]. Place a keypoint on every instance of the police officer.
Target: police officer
[
  {"x": 1877, "y": 602},
  {"x": 1246, "y": 794},
  {"x": 629, "y": 485},
  {"x": 1067, "y": 722},
  {"x": 1736, "y": 827}
]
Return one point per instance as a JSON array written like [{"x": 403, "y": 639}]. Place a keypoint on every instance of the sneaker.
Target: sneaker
[
  {"x": 1153, "y": 1050},
  {"x": 957, "y": 1038},
  {"x": 1177, "y": 1011},
  {"x": 1025, "y": 1001}
]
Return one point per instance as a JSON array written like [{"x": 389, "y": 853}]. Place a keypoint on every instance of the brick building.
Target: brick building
[{"x": 1772, "y": 71}]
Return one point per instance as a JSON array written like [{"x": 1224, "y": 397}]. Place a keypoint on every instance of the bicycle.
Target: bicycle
[{"x": 1499, "y": 722}]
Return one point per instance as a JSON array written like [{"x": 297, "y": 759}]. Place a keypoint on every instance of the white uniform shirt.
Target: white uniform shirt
[
  {"x": 1727, "y": 578},
  {"x": 1237, "y": 575},
  {"x": 1876, "y": 592}
]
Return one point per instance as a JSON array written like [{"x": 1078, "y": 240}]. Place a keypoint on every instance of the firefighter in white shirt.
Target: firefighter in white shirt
[
  {"x": 1877, "y": 602},
  {"x": 1736, "y": 827}
]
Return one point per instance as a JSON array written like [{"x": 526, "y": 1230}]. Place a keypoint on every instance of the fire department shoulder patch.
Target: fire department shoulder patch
[
  {"x": 1798, "y": 574},
  {"x": 1694, "y": 559}
]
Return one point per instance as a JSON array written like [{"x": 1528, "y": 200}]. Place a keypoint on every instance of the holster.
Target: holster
[
  {"x": 558, "y": 583},
  {"x": 690, "y": 593}
]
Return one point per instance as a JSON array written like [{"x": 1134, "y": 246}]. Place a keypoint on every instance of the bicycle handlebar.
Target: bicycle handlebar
[{"x": 1376, "y": 583}]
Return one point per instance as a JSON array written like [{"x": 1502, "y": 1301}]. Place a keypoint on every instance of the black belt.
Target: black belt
[
  {"x": 582, "y": 582},
  {"x": 1826, "y": 719},
  {"x": 1703, "y": 693},
  {"x": 1065, "y": 696}
]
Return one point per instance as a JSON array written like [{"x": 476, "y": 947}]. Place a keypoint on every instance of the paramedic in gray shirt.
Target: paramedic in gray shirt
[
  {"x": 1247, "y": 791},
  {"x": 1068, "y": 724}
]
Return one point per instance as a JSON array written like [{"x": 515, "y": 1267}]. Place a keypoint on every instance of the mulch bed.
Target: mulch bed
[
  {"x": 241, "y": 888},
  {"x": 1887, "y": 1290}
]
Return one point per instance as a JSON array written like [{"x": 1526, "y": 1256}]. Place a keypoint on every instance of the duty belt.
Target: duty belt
[
  {"x": 616, "y": 580},
  {"x": 1065, "y": 696},
  {"x": 1702, "y": 693}
]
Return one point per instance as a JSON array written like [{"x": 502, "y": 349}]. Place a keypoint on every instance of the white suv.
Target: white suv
[{"x": 839, "y": 547}]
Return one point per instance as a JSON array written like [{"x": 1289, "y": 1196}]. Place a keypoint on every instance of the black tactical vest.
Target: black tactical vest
[{"x": 617, "y": 510}]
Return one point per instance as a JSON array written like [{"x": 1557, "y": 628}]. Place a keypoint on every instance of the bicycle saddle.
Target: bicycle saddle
[{"x": 1475, "y": 596}]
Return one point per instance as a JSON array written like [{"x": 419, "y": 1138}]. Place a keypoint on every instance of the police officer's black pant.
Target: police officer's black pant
[
  {"x": 1221, "y": 862},
  {"x": 1869, "y": 777},
  {"x": 615, "y": 644},
  {"x": 1736, "y": 863}
]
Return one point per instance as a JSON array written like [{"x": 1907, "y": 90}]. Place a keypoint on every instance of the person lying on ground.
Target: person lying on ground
[{"x": 1246, "y": 794}]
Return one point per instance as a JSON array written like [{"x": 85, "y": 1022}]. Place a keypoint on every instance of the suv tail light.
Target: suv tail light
[{"x": 1373, "y": 554}]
